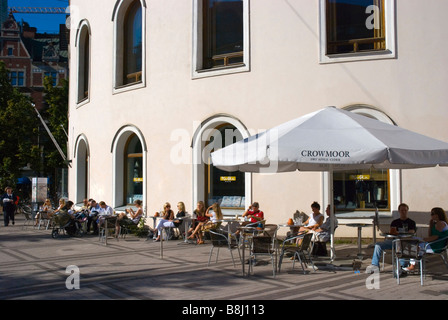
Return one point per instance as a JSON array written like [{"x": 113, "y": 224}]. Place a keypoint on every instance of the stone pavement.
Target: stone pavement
[{"x": 33, "y": 265}]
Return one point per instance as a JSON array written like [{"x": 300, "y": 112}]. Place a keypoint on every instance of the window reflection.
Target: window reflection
[
  {"x": 134, "y": 170},
  {"x": 132, "y": 65}
]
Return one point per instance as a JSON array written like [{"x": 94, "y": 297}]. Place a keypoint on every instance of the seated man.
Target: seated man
[
  {"x": 324, "y": 231},
  {"x": 94, "y": 209},
  {"x": 105, "y": 211},
  {"x": 254, "y": 213},
  {"x": 400, "y": 223}
]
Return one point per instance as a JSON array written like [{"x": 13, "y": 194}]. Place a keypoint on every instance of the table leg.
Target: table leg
[
  {"x": 360, "y": 256},
  {"x": 244, "y": 250}
]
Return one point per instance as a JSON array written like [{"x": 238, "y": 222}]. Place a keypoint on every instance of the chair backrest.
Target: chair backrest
[
  {"x": 261, "y": 244},
  {"x": 270, "y": 230},
  {"x": 27, "y": 215},
  {"x": 407, "y": 248},
  {"x": 44, "y": 215},
  {"x": 218, "y": 239},
  {"x": 231, "y": 227},
  {"x": 306, "y": 241}
]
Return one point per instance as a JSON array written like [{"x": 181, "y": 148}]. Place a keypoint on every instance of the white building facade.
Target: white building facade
[{"x": 155, "y": 86}]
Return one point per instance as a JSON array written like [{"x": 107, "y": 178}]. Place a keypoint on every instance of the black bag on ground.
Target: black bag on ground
[{"x": 319, "y": 249}]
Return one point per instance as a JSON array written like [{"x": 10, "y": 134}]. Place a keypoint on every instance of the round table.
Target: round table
[{"x": 359, "y": 226}]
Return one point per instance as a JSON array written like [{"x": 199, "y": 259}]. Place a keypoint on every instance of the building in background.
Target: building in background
[
  {"x": 30, "y": 56},
  {"x": 155, "y": 87}
]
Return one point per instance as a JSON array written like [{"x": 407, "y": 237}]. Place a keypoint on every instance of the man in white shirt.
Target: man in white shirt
[{"x": 104, "y": 212}]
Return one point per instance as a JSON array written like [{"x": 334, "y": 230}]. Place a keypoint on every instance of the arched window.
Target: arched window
[
  {"x": 132, "y": 42},
  {"x": 129, "y": 166},
  {"x": 82, "y": 156},
  {"x": 226, "y": 188},
  {"x": 133, "y": 170},
  {"x": 232, "y": 190},
  {"x": 129, "y": 24},
  {"x": 83, "y": 44}
]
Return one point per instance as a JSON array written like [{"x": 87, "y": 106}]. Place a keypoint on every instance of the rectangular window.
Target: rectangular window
[
  {"x": 17, "y": 78},
  {"x": 357, "y": 30},
  {"x": 361, "y": 190},
  {"x": 221, "y": 39},
  {"x": 54, "y": 77},
  {"x": 223, "y": 33}
]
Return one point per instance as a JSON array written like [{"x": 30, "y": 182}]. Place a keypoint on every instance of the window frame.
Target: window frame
[
  {"x": 17, "y": 77},
  {"x": 118, "y": 19},
  {"x": 198, "y": 45},
  {"x": 390, "y": 43},
  {"x": 83, "y": 32}
]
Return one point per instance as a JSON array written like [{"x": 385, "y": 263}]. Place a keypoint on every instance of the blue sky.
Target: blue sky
[{"x": 43, "y": 22}]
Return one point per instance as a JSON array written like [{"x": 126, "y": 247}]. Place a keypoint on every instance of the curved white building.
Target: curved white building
[{"x": 156, "y": 85}]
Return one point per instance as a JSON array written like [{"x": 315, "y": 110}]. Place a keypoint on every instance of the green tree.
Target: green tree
[
  {"x": 18, "y": 131},
  {"x": 57, "y": 116}
]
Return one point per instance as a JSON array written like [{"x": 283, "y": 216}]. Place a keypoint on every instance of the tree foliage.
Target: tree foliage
[
  {"x": 23, "y": 141},
  {"x": 57, "y": 117},
  {"x": 18, "y": 128}
]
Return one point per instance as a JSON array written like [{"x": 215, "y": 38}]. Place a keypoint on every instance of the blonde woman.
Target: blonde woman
[
  {"x": 166, "y": 221},
  {"x": 215, "y": 216},
  {"x": 47, "y": 208},
  {"x": 199, "y": 214},
  {"x": 61, "y": 205}
]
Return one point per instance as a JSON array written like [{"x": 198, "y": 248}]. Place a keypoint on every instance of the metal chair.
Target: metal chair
[
  {"x": 104, "y": 228},
  {"x": 218, "y": 241},
  {"x": 263, "y": 246},
  {"x": 407, "y": 249},
  {"x": 441, "y": 250},
  {"x": 28, "y": 219},
  {"x": 44, "y": 219},
  {"x": 300, "y": 251}
]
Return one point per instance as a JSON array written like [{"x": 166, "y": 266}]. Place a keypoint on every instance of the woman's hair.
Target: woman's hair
[
  {"x": 440, "y": 212},
  {"x": 217, "y": 209},
  {"x": 202, "y": 212},
  {"x": 167, "y": 204},
  {"x": 315, "y": 205},
  {"x": 68, "y": 205},
  {"x": 139, "y": 202},
  {"x": 182, "y": 205}
]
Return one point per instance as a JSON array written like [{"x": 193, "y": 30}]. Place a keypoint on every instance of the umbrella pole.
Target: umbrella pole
[{"x": 332, "y": 212}]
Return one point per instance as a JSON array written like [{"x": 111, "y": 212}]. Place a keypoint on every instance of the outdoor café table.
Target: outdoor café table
[
  {"x": 359, "y": 226},
  {"x": 244, "y": 232}
]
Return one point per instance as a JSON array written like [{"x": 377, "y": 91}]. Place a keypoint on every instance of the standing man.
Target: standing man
[{"x": 9, "y": 206}]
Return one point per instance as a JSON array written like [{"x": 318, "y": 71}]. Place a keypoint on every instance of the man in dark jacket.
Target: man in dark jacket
[{"x": 9, "y": 206}]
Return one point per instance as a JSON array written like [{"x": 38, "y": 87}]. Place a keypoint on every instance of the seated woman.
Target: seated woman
[
  {"x": 199, "y": 213},
  {"x": 168, "y": 220},
  {"x": 134, "y": 217},
  {"x": 46, "y": 208},
  {"x": 438, "y": 229},
  {"x": 213, "y": 223},
  {"x": 314, "y": 222}
]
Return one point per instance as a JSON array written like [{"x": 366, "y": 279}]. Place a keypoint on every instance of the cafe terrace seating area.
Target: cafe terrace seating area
[
  {"x": 254, "y": 246},
  {"x": 133, "y": 267}
]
